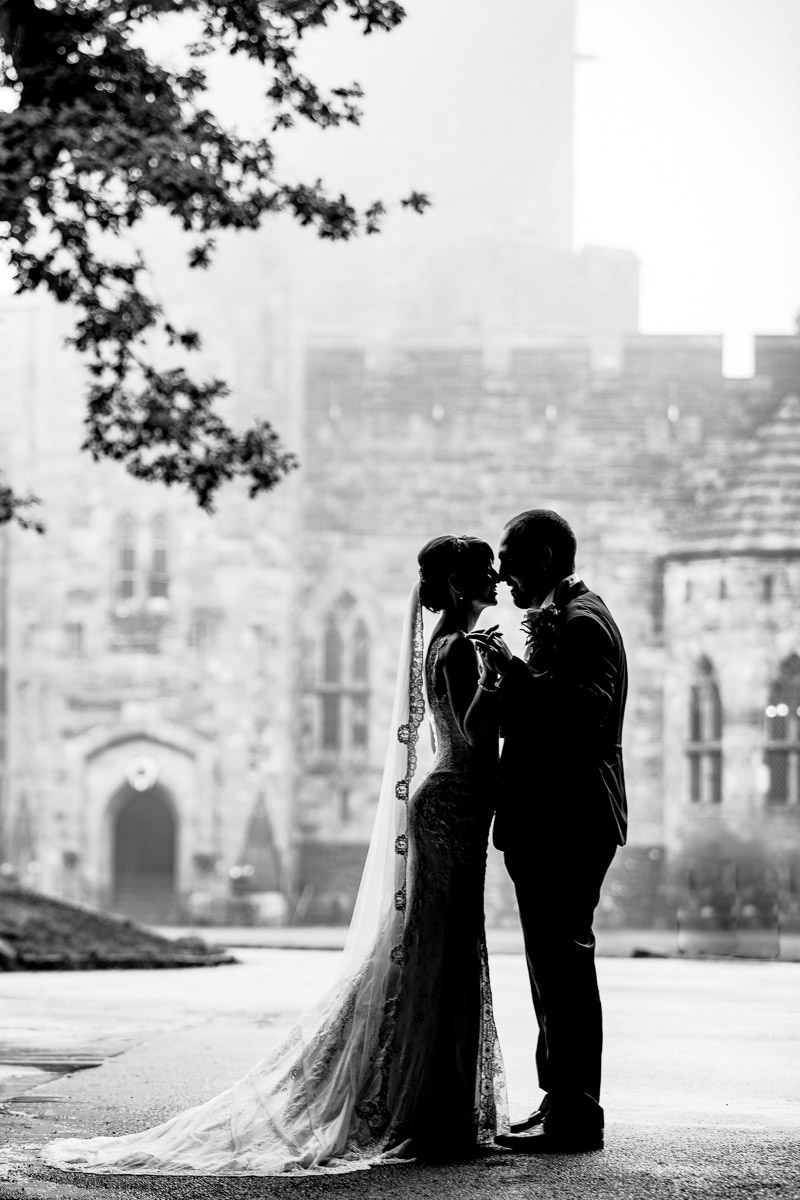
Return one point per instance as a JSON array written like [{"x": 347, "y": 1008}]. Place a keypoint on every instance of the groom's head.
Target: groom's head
[{"x": 537, "y": 550}]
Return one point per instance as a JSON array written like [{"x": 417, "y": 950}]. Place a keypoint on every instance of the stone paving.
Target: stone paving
[
  {"x": 782, "y": 945},
  {"x": 701, "y": 1077}
]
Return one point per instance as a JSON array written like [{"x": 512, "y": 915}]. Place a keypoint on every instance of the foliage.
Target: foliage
[
  {"x": 14, "y": 507},
  {"x": 101, "y": 134}
]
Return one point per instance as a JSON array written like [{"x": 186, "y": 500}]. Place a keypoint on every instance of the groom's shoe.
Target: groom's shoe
[
  {"x": 533, "y": 1120},
  {"x": 541, "y": 1140},
  {"x": 572, "y": 1125}
]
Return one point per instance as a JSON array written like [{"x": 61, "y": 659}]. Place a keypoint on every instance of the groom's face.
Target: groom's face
[{"x": 525, "y": 569}]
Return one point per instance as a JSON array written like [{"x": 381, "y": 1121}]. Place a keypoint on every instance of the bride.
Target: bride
[{"x": 401, "y": 1060}]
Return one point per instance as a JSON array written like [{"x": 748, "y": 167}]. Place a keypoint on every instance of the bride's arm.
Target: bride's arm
[
  {"x": 482, "y": 721},
  {"x": 474, "y": 709}
]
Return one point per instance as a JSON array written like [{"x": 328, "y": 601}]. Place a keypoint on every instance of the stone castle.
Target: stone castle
[{"x": 194, "y": 710}]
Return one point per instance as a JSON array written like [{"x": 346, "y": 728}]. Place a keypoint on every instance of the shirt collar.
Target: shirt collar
[{"x": 567, "y": 582}]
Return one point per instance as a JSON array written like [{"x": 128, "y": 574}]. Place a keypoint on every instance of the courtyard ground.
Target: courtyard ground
[
  {"x": 679, "y": 941},
  {"x": 702, "y": 1075}
]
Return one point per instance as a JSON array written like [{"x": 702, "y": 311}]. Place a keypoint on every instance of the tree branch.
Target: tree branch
[{"x": 101, "y": 135}]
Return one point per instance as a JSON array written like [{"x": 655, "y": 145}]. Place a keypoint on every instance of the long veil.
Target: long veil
[
  {"x": 317, "y": 1102},
  {"x": 382, "y": 891}
]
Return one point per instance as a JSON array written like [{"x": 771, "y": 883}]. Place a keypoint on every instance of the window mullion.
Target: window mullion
[
  {"x": 705, "y": 776},
  {"x": 141, "y": 564},
  {"x": 345, "y": 738}
]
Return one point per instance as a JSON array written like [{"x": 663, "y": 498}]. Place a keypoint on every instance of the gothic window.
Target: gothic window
[
  {"x": 782, "y": 735},
  {"x": 199, "y": 633},
  {"x": 141, "y": 564},
  {"x": 767, "y": 588},
  {"x": 343, "y": 687},
  {"x": 332, "y": 667},
  {"x": 704, "y": 743},
  {"x": 359, "y": 701},
  {"x": 204, "y": 624},
  {"x": 360, "y": 653},
  {"x": 73, "y": 636},
  {"x": 125, "y": 559},
  {"x": 23, "y": 835},
  {"x": 158, "y": 578},
  {"x": 332, "y": 687},
  {"x": 258, "y": 867}
]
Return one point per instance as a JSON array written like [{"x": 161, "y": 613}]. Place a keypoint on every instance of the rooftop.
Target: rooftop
[{"x": 758, "y": 508}]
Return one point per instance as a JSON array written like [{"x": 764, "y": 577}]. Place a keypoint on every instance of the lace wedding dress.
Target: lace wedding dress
[{"x": 401, "y": 1060}]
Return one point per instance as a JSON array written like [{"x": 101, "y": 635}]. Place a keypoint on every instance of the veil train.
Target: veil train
[{"x": 316, "y": 1103}]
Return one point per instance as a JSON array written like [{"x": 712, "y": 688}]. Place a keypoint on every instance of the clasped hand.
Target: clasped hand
[{"x": 493, "y": 652}]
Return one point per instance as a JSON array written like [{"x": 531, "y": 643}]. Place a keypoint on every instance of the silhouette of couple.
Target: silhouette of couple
[{"x": 401, "y": 1060}]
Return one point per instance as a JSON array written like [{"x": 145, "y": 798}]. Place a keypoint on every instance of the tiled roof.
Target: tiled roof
[{"x": 758, "y": 509}]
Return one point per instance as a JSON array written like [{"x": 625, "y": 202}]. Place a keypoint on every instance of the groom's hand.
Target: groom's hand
[{"x": 495, "y": 654}]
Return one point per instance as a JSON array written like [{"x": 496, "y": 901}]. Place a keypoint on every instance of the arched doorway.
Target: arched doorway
[{"x": 143, "y": 853}]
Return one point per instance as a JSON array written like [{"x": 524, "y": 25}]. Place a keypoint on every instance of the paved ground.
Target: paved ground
[
  {"x": 612, "y": 943},
  {"x": 701, "y": 1089}
]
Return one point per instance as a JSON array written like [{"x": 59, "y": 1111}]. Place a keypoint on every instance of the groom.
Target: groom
[{"x": 561, "y": 810}]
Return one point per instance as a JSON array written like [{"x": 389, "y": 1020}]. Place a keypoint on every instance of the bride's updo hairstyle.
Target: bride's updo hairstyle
[{"x": 467, "y": 557}]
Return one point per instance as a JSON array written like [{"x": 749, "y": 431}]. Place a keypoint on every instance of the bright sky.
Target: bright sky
[{"x": 688, "y": 153}]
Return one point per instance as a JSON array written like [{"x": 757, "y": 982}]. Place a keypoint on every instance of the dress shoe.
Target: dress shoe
[
  {"x": 533, "y": 1120},
  {"x": 543, "y": 1141}
]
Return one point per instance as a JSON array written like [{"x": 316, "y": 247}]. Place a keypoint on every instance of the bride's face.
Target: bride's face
[{"x": 484, "y": 589}]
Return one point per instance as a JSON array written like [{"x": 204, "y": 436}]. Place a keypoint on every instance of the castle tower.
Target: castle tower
[
  {"x": 732, "y": 682},
  {"x": 474, "y": 106}
]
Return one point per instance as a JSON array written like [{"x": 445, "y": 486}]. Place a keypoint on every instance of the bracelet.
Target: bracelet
[{"x": 484, "y": 688}]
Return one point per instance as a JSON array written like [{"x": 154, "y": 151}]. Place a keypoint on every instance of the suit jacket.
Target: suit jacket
[{"x": 561, "y": 718}]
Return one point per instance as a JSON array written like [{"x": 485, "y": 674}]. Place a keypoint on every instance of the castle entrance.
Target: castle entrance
[{"x": 144, "y": 837}]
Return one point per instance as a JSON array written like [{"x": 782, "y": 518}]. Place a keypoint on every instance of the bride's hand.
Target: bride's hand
[{"x": 494, "y": 653}]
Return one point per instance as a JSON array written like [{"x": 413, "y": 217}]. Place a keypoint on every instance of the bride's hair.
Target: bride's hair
[{"x": 442, "y": 557}]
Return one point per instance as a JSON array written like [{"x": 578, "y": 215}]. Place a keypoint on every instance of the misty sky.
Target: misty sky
[
  {"x": 687, "y": 142},
  {"x": 687, "y": 150}
]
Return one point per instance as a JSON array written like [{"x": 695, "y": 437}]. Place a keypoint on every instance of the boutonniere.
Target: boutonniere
[{"x": 542, "y": 628}]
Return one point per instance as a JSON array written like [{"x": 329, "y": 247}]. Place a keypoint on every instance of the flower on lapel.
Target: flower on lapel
[{"x": 541, "y": 627}]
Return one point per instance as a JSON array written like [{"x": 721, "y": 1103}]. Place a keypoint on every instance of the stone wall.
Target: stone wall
[
  {"x": 722, "y": 610},
  {"x": 193, "y": 681},
  {"x": 220, "y": 683},
  {"x": 428, "y": 439}
]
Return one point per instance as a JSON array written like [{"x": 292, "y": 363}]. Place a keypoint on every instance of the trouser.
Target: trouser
[{"x": 557, "y": 882}]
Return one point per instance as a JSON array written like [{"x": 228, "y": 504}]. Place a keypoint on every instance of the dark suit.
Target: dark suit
[{"x": 561, "y": 813}]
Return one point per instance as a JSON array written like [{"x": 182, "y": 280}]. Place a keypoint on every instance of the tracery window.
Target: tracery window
[
  {"x": 141, "y": 563},
  {"x": 704, "y": 742},
  {"x": 359, "y": 694},
  {"x": 331, "y": 688},
  {"x": 782, "y": 735},
  {"x": 158, "y": 579},
  {"x": 74, "y": 640},
  {"x": 126, "y": 534},
  {"x": 344, "y": 681},
  {"x": 204, "y": 625}
]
